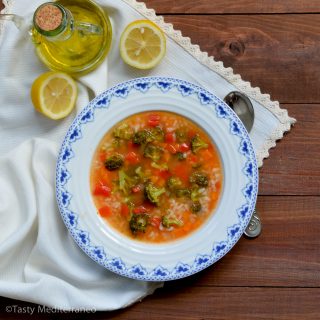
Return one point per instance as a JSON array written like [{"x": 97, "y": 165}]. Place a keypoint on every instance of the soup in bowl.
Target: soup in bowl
[
  {"x": 156, "y": 176},
  {"x": 156, "y": 179}
]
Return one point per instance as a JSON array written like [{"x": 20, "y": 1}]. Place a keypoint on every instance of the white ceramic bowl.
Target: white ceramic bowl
[{"x": 176, "y": 259}]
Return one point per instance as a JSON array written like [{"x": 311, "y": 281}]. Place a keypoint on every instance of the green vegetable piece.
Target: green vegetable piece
[
  {"x": 124, "y": 132},
  {"x": 200, "y": 179},
  {"x": 153, "y": 152},
  {"x": 197, "y": 144},
  {"x": 152, "y": 193},
  {"x": 141, "y": 137},
  {"x": 126, "y": 182},
  {"x": 195, "y": 193},
  {"x": 174, "y": 183},
  {"x": 148, "y": 135},
  {"x": 138, "y": 223},
  {"x": 183, "y": 193},
  {"x": 139, "y": 173},
  {"x": 114, "y": 162},
  {"x": 116, "y": 142},
  {"x": 162, "y": 166},
  {"x": 157, "y": 134},
  {"x": 181, "y": 156},
  {"x": 168, "y": 222},
  {"x": 196, "y": 207},
  {"x": 181, "y": 135}
]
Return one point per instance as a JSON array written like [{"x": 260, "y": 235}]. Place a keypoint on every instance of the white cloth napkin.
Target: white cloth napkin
[{"x": 39, "y": 261}]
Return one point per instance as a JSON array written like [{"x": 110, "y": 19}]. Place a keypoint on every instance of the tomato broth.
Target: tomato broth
[{"x": 156, "y": 177}]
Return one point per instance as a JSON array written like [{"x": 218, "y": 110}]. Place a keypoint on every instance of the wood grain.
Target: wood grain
[
  {"x": 194, "y": 303},
  {"x": 231, "y": 6},
  {"x": 227, "y": 303},
  {"x": 278, "y": 53},
  {"x": 293, "y": 167},
  {"x": 285, "y": 255}
]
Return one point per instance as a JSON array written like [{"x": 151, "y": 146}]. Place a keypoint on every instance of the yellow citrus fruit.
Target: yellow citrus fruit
[
  {"x": 142, "y": 44},
  {"x": 54, "y": 94}
]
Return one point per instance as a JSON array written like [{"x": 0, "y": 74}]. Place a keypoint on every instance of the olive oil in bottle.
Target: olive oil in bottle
[{"x": 73, "y": 36}]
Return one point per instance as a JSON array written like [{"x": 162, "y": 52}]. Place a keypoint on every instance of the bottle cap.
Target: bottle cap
[{"x": 50, "y": 19}]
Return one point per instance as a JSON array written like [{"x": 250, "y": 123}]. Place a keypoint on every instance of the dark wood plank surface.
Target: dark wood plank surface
[
  {"x": 275, "y": 45},
  {"x": 293, "y": 167},
  {"x": 243, "y": 303},
  {"x": 244, "y": 42},
  {"x": 231, "y": 6},
  {"x": 175, "y": 303},
  {"x": 277, "y": 258}
]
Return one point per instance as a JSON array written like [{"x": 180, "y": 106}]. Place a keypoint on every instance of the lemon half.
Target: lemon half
[
  {"x": 54, "y": 94},
  {"x": 142, "y": 44}
]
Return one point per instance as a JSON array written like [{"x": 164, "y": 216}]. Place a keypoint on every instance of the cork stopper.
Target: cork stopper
[{"x": 48, "y": 17}]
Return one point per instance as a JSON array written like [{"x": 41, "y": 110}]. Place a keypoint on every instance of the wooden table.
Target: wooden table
[{"x": 275, "y": 45}]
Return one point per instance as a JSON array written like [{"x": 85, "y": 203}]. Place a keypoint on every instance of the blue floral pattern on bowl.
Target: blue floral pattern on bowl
[{"x": 74, "y": 136}]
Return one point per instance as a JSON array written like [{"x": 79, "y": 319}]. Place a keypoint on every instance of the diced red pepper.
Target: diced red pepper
[
  {"x": 170, "y": 137},
  {"x": 136, "y": 189},
  {"x": 184, "y": 147},
  {"x": 125, "y": 210},
  {"x": 154, "y": 120},
  {"x": 132, "y": 158},
  {"x": 171, "y": 148},
  {"x": 165, "y": 174},
  {"x": 140, "y": 209},
  {"x": 102, "y": 190},
  {"x": 105, "y": 212},
  {"x": 155, "y": 221}
]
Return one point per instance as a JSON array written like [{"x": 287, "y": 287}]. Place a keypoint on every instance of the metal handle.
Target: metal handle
[{"x": 254, "y": 227}]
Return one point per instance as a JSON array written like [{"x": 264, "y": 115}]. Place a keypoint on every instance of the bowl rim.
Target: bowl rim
[{"x": 86, "y": 115}]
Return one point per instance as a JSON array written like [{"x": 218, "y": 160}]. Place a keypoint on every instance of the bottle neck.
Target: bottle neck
[{"x": 53, "y": 21}]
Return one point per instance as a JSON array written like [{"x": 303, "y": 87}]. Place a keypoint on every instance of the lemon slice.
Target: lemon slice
[
  {"x": 142, "y": 44},
  {"x": 54, "y": 94}
]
